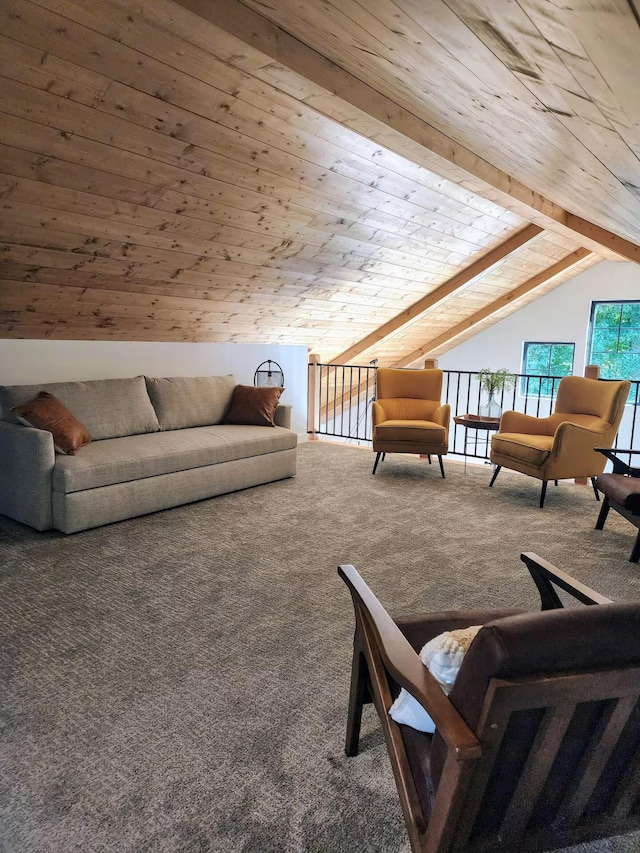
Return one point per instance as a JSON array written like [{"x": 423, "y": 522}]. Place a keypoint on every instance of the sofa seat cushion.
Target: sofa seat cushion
[
  {"x": 109, "y": 408},
  {"x": 135, "y": 457},
  {"x": 410, "y": 431},
  {"x": 532, "y": 449}
]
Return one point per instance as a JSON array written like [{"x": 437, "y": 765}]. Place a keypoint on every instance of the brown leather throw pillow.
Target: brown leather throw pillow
[
  {"x": 48, "y": 413},
  {"x": 253, "y": 406}
]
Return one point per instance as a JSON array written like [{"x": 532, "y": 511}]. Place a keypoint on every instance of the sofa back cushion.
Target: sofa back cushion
[
  {"x": 190, "y": 401},
  {"x": 109, "y": 408}
]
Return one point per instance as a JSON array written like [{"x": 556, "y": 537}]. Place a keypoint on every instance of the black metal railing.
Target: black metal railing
[
  {"x": 343, "y": 395},
  {"x": 533, "y": 395}
]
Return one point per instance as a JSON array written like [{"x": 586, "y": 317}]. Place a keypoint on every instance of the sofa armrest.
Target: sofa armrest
[
  {"x": 282, "y": 417},
  {"x": 27, "y": 458}
]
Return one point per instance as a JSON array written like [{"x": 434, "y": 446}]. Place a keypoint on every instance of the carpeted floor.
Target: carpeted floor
[{"x": 179, "y": 682}]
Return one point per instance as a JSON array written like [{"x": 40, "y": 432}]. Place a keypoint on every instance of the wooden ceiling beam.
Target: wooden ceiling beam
[
  {"x": 498, "y": 305},
  {"x": 616, "y": 244},
  {"x": 349, "y": 101},
  {"x": 465, "y": 325},
  {"x": 444, "y": 291}
]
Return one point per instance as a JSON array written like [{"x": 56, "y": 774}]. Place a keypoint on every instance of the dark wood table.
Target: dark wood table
[{"x": 478, "y": 423}]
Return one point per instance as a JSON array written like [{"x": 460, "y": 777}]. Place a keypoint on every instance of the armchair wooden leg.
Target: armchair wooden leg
[
  {"x": 384, "y": 456},
  {"x": 604, "y": 512},
  {"x": 635, "y": 554},
  {"x": 429, "y": 458},
  {"x": 358, "y": 695},
  {"x": 495, "y": 474},
  {"x": 375, "y": 464},
  {"x": 543, "y": 493},
  {"x": 441, "y": 467},
  {"x": 595, "y": 488}
]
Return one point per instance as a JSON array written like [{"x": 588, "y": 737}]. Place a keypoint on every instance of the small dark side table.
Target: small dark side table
[{"x": 479, "y": 424}]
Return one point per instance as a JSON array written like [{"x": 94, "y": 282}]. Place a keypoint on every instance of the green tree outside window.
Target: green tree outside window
[
  {"x": 545, "y": 360},
  {"x": 615, "y": 339}
]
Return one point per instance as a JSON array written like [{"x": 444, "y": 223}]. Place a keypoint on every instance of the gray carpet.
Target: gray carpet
[{"x": 178, "y": 682}]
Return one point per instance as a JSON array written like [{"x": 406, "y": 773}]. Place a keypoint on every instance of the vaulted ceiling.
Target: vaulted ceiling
[{"x": 357, "y": 177}]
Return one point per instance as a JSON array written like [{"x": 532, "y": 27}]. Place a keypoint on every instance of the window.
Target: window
[
  {"x": 545, "y": 359},
  {"x": 614, "y": 341}
]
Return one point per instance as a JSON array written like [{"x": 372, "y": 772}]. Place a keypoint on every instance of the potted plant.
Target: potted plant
[{"x": 494, "y": 382}]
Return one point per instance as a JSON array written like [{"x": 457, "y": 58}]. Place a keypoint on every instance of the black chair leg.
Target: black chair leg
[
  {"x": 429, "y": 458},
  {"x": 495, "y": 474},
  {"x": 358, "y": 695},
  {"x": 543, "y": 493},
  {"x": 375, "y": 464},
  {"x": 441, "y": 467},
  {"x": 635, "y": 554},
  {"x": 556, "y": 482},
  {"x": 595, "y": 488},
  {"x": 384, "y": 456},
  {"x": 604, "y": 512}
]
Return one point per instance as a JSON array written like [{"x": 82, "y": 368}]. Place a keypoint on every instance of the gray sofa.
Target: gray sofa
[{"x": 156, "y": 443}]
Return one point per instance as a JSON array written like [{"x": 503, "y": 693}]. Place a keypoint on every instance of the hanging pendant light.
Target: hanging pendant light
[{"x": 269, "y": 374}]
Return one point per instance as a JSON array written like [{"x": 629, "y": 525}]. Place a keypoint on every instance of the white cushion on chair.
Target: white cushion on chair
[{"x": 443, "y": 656}]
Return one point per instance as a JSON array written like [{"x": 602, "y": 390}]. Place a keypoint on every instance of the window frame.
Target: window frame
[
  {"x": 525, "y": 377},
  {"x": 594, "y": 306}
]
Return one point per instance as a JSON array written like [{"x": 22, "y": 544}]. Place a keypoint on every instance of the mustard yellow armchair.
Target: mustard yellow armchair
[
  {"x": 587, "y": 415},
  {"x": 407, "y": 414}
]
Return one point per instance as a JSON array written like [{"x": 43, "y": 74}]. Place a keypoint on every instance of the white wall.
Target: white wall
[
  {"x": 562, "y": 315},
  {"x": 32, "y": 362}
]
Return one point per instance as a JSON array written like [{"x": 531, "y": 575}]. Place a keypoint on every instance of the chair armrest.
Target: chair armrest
[
  {"x": 546, "y": 576},
  {"x": 620, "y": 467},
  {"x": 282, "y": 417},
  {"x": 408, "y": 670},
  {"x": 377, "y": 413},
  {"x": 418, "y": 681},
  {"x": 27, "y": 458},
  {"x": 580, "y": 439},
  {"x": 442, "y": 415},
  {"x": 518, "y": 422}
]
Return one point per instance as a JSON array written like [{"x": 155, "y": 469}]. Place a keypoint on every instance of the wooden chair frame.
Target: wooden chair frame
[{"x": 381, "y": 650}]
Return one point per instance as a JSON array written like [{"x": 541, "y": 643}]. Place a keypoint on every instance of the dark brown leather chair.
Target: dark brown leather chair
[
  {"x": 538, "y": 744},
  {"x": 621, "y": 490}
]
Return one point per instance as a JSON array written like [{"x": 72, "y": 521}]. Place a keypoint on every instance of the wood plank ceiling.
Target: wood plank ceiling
[{"x": 158, "y": 183}]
